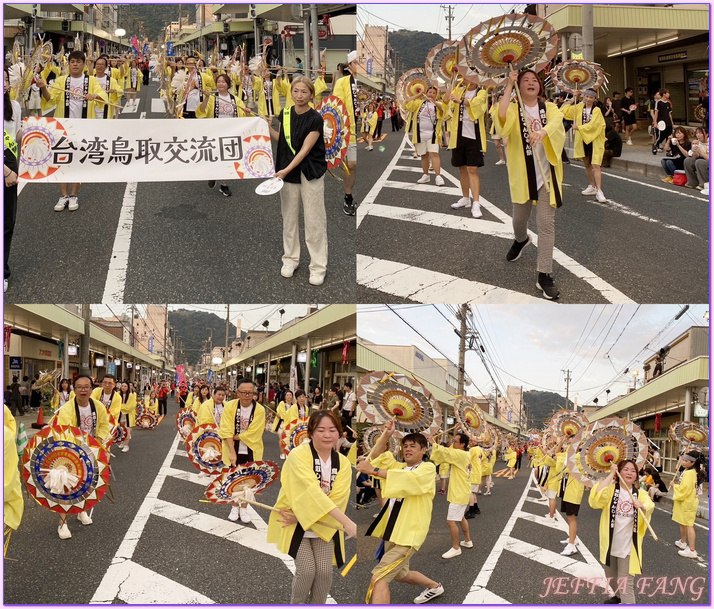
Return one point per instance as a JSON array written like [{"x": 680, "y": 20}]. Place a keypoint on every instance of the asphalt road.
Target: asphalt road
[
  {"x": 158, "y": 543},
  {"x": 648, "y": 244},
  {"x": 188, "y": 243}
]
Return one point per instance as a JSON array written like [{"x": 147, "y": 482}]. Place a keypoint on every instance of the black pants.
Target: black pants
[
  {"x": 378, "y": 133},
  {"x": 182, "y": 401},
  {"x": 10, "y": 203},
  {"x": 146, "y": 77},
  {"x": 163, "y": 407},
  {"x": 395, "y": 122},
  {"x": 663, "y": 135}
]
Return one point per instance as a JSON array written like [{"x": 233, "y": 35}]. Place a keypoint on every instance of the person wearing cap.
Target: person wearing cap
[
  {"x": 589, "y": 129},
  {"x": 346, "y": 89}
]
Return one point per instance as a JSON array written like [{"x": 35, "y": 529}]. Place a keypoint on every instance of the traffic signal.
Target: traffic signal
[
  {"x": 252, "y": 11},
  {"x": 226, "y": 27},
  {"x": 65, "y": 25}
]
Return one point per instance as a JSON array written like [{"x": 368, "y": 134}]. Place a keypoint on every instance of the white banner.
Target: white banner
[{"x": 149, "y": 150}]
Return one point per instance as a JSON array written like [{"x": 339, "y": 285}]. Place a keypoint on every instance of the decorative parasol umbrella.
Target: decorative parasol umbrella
[
  {"x": 410, "y": 83},
  {"x": 383, "y": 396},
  {"x": 489, "y": 438},
  {"x": 568, "y": 423},
  {"x": 441, "y": 63},
  {"x": 574, "y": 75},
  {"x": 468, "y": 415},
  {"x": 336, "y": 129},
  {"x": 255, "y": 476},
  {"x": 119, "y": 433},
  {"x": 49, "y": 377},
  {"x": 204, "y": 449},
  {"x": 690, "y": 435},
  {"x": 66, "y": 470},
  {"x": 148, "y": 419},
  {"x": 185, "y": 422},
  {"x": 295, "y": 434},
  {"x": 370, "y": 437}
]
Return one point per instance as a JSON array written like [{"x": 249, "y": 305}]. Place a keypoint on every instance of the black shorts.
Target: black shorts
[
  {"x": 588, "y": 148},
  {"x": 570, "y": 509},
  {"x": 468, "y": 154},
  {"x": 629, "y": 119}
]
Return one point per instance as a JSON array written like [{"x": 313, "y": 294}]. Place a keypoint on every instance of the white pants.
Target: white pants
[{"x": 312, "y": 195}]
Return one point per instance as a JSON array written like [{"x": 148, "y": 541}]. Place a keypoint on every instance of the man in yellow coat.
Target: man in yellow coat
[
  {"x": 346, "y": 89},
  {"x": 241, "y": 429},
  {"x": 71, "y": 96},
  {"x": 108, "y": 395},
  {"x": 403, "y": 523}
]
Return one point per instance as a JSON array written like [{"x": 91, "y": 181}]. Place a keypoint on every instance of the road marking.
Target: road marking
[
  {"x": 619, "y": 207},
  {"x": 119, "y": 262},
  {"x": 479, "y": 593},
  {"x": 423, "y": 285},
  {"x": 143, "y": 115},
  {"x": 158, "y": 106},
  {"x": 130, "y": 108},
  {"x": 696, "y": 524}
]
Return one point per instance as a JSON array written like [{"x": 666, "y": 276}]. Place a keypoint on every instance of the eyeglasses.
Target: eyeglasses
[
  {"x": 245, "y": 393},
  {"x": 82, "y": 388}
]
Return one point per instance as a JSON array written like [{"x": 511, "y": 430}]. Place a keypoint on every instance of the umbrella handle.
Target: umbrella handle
[
  {"x": 644, "y": 516},
  {"x": 528, "y": 126}
]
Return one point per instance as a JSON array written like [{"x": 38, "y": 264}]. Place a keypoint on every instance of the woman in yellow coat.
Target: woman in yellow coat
[
  {"x": 426, "y": 131},
  {"x": 132, "y": 82},
  {"x": 622, "y": 528},
  {"x": 280, "y": 420},
  {"x": 268, "y": 95},
  {"x": 128, "y": 411},
  {"x": 151, "y": 402},
  {"x": 369, "y": 124},
  {"x": 571, "y": 493},
  {"x": 511, "y": 456},
  {"x": 489, "y": 461},
  {"x": 63, "y": 395},
  {"x": 191, "y": 396},
  {"x": 535, "y": 169},
  {"x": 14, "y": 504},
  {"x": 589, "y": 129},
  {"x": 686, "y": 502},
  {"x": 315, "y": 487}
]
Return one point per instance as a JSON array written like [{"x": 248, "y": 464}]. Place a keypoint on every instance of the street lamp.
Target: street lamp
[
  {"x": 120, "y": 32},
  {"x": 634, "y": 375}
]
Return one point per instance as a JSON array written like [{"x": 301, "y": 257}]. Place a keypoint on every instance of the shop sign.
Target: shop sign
[
  {"x": 15, "y": 363},
  {"x": 672, "y": 56},
  {"x": 44, "y": 352},
  {"x": 700, "y": 412}
]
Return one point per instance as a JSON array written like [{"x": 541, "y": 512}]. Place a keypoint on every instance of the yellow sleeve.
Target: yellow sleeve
[
  {"x": 404, "y": 483},
  {"x": 226, "y": 429},
  {"x": 685, "y": 489},
  {"x": 253, "y": 436},
  {"x": 210, "y": 106},
  {"x": 14, "y": 505},
  {"x": 283, "y": 86},
  {"x": 412, "y": 106},
  {"x": 115, "y": 406},
  {"x": 385, "y": 461},
  {"x": 204, "y": 415},
  {"x": 568, "y": 111},
  {"x": 56, "y": 92},
  {"x": 103, "y": 426},
  {"x": 442, "y": 454},
  {"x": 595, "y": 128},
  {"x": 478, "y": 105},
  {"x": 320, "y": 86},
  {"x": 96, "y": 89},
  {"x": 600, "y": 499},
  {"x": 509, "y": 128}
]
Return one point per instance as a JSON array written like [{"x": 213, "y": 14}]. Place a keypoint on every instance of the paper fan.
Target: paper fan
[
  {"x": 204, "y": 449},
  {"x": 370, "y": 437},
  {"x": 690, "y": 435},
  {"x": 441, "y": 63},
  {"x": 66, "y": 470},
  {"x": 468, "y": 415},
  {"x": 256, "y": 476},
  {"x": 568, "y": 423},
  {"x": 336, "y": 129},
  {"x": 410, "y": 83},
  {"x": 510, "y": 42},
  {"x": 147, "y": 419},
  {"x": 383, "y": 396},
  {"x": 185, "y": 422},
  {"x": 295, "y": 434},
  {"x": 578, "y": 74},
  {"x": 603, "y": 443}
]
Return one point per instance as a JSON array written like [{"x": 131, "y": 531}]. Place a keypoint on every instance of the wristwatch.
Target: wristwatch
[{"x": 376, "y": 469}]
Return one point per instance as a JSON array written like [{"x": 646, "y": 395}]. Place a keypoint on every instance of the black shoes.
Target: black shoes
[
  {"x": 211, "y": 183},
  {"x": 615, "y": 600},
  {"x": 516, "y": 249},
  {"x": 225, "y": 191},
  {"x": 349, "y": 206},
  {"x": 547, "y": 285}
]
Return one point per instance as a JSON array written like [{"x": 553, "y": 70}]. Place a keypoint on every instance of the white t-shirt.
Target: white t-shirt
[
  {"x": 76, "y": 85},
  {"x": 194, "y": 98},
  {"x": 103, "y": 82},
  {"x": 624, "y": 523},
  {"x": 349, "y": 402},
  {"x": 86, "y": 421},
  {"x": 63, "y": 398},
  {"x": 468, "y": 127},
  {"x": 325, "y": 475},
  {"x": 427, "y": 118},
  {"x": 13, "y": 126},
  {"x": 218, "y": 412},
  {"x": 225, "y": 106},
  {"x": 244, "y": 423},
  {"x": 107, "y": 399},
  {"x": 533, "y": 116}
]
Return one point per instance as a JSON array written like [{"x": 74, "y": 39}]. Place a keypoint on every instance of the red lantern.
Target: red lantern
[{"x": 658, "y": 422}]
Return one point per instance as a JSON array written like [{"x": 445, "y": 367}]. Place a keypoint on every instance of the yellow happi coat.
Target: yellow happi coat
[
  {"x": 259, "y": 91},
  {"x": 417, "y": 488},
  {"x": 205, "y": 414},
  {"x": 413, "y": 108},
  {"x": 343, "y": 89},
  {"x": 14, "y": 504},
  {"x": 114, "y": 406},
  {"x": 459, "y": 485},
  {"x": 488, "y": 463},
  {"x": 252, "y": 437},
  {"x": 476, "y": 456},
  {"x": 369, "y": 123},
  {"x": 211, "y": 108},
  {"x": 114, "y": 98},
  {"x": 511, "y": 456},
  {"x": 684, "y": 509},
  {"x": 57, "y": 96},
  {"x": 592, "y": 132},
  {"x": 68, "y": 416},
  {"x": 301, "y": 493},
  {"x": 476, "y": 108},
  {"x": 129, "y": 408}
]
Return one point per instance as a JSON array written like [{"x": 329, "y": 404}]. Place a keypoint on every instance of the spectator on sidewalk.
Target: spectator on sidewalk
[
  {"x": 616, "y": 107},
  {"x": 677, "y": 148},
  {"x": 16, "y": 407},
  {"x": 628, "y": 111},
  {"x": 662, "y": 114},
  {"x": 25, "y": 387},
  {"x": 696, "y": 165}
]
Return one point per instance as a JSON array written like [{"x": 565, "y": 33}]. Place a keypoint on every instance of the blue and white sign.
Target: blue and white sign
[
  {"x": 145, "y": 52},
  {"x": 112, "y": 368},
  {"x": 15, "y": 363},
  {"x": 510, "y": 412},
  {"x": 210, "y": 376},
  {"x": 151, "y": 344},
  {"x": 170, "y": 49},
  {"x": 369, "y": 67}
]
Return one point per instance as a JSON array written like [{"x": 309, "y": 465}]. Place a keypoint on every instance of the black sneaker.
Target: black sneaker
[
  {"x": 469, "y": 515},
  {"x": 545, "y": 282},
  {"x": 349, "y": 206},
  {"x": 225, "y": 191},
  {"x": 654, "y": 151},
  {"x": 211, "y": 183},
  {"x": 615, "y": 600},
  {"x": 476, "y": 509},
  {"x": 516, "y": 249}
]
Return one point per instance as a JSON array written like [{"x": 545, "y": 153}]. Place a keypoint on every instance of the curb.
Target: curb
[
  {"x": 629, "y": 166},
  {"x": 702, "y": 510}
]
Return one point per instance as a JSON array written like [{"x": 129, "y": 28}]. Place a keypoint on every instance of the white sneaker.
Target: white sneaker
[
  {"x": 6, "y": 284},
  {"x": 600, "y": 196},
  {"x": 428, "y": 594},
  {"x": 629, "y": 142},
  {"x": 425, "y": 179},
  {"x": 688, "y": 553},
  {"x": 282, "y": 456},
  {"x": 125, "y": 449},
  {"x": 439, "y": 182},
  {"x": 476, "y": 210},
  {"x": 467, "y": 544},
  {"x": 565, "y": 542},
  {"x": 500, "y": 162},
  {"x": 590, "y": 190},
  {"x": 287, "y": 271},
  {"x": 549, "y": 516},
  {"x": 569, "y": 550},
  {"x": 235, "y": 513},
  {"x": 681, "y": 545},
  {"x": 73, "y": 205},
  {"x": 462, "y": 203},
  {"x": 451, "y": 553},
  {"x": 59, "y": 206},
  {"x": 84, "y": 518},
  {"x": 244, "y": 516},
  {"x": 63, "y": 531},
  {"x": 317, "y": 278}
]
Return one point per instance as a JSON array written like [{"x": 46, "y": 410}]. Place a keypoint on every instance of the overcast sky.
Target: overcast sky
[{"x": 533, "y": 343}]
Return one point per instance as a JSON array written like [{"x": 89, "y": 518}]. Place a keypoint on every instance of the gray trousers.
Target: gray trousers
[
  {"x": 311, "y": 193},
  {"x": 619, "y": 572},
  {"x": 313, "y": 572},
  {"x": 697, "y": 171},
  {"x": 545, "y": 219}
]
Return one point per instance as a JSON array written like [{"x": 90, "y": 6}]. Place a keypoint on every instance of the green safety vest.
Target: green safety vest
[
  {"x": 286, "y": 128},
  {"x": 11, "y": 144}
]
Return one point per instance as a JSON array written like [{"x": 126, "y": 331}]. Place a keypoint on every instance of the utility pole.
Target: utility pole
[
  {"x": 588, "y": 35},
  {"x": 462, "y": 354},
  {"x": 386, "y": 53},
  {"x": 84, "y": 367},
  {"x": 449, "y": 17},
  {"x": 567, "y": 386},
  {"x": 133, "y": 333}
]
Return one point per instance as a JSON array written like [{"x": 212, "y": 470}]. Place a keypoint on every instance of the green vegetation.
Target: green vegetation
[
  {"x": 413, "y": 47},
  {"x": 542, "y": 404},
  {"x": 194, "y": 328}
]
